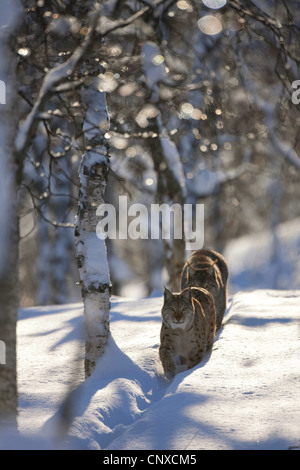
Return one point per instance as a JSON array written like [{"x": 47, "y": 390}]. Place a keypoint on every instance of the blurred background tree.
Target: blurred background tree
[{"x": 199, "y": 99}]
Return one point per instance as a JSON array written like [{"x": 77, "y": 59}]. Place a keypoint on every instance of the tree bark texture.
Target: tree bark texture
[
  {"x": 91, "y": 251},
  {"x": 8, "y": 321},
  {"x": 9, "y": 234}
]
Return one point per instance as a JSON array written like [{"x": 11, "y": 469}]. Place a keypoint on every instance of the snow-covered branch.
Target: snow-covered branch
[
  {"x": 52, "y": 80},
  {"x": 55, "y": 78},
  {"x": 155, "y": 72}
]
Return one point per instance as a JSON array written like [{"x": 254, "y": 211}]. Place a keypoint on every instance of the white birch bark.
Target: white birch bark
[{"x": 91, "y": 251}]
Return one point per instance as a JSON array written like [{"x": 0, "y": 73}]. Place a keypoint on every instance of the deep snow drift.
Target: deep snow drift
[{"x": 244, "y": 395}]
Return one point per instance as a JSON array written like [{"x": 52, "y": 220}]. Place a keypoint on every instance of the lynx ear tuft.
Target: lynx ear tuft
[{"x": 167, "y": 293}]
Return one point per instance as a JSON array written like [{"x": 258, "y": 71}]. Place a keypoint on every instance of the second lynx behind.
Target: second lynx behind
[{"x": 208, "y": 269}]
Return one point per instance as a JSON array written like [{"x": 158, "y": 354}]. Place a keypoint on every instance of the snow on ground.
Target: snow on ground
[
  {"x": 244, "y": 395},
  {"x": 49, "y": 358},
  {"x": 265, "y": 260}
]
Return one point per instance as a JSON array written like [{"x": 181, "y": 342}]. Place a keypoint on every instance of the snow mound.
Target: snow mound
[{"x": 244, "y": 395}]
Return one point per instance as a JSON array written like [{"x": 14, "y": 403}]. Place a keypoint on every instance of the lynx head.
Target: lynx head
[
  {"x": 178, "y": 310},
  {"x": 202, "y": 276}
]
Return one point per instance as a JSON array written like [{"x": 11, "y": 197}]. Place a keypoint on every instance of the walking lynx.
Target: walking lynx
[
  {"x": 208, "y": 269},
  {"x": 188, "y": 328}
]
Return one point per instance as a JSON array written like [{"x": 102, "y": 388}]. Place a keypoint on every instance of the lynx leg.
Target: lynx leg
[{"x": 167, "y": 361}]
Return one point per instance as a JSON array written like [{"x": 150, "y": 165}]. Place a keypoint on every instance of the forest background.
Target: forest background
[{"x": 180, "y": 102}]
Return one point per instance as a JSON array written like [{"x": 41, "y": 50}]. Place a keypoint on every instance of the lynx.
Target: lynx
[
  {"x": 188, "y": 328},
  {"x": 208, "y": 269}
]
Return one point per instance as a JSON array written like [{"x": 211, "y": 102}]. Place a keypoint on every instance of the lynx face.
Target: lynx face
[
  {"x": 177, "y": 310},
  {"x": 188, "y": 328},
  {"x": 203, "y": 278}
]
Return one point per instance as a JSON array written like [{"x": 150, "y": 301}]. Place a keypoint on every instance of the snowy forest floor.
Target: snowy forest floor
[{"x": 244, "y": 395}]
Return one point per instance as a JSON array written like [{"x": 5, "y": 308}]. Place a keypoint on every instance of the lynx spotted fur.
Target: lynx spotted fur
[
  {"x": 208, "y": 269},
  {"x": 188, "y": 328}
]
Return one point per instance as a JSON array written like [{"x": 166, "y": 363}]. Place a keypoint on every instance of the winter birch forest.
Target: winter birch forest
[{"x": 186, "y": 102}]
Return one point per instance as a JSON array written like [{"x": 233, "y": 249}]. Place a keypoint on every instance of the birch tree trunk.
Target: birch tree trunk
[
  {"x": 9, "y": 227},
  {"x": 91, "y": 251},
  {"x": 8, "y": 321},
  {"x": 8, "y": 277}
]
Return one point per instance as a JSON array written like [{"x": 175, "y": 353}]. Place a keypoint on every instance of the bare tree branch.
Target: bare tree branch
[
  {"x": 268, "y": 111},
  {"x": 52, "y": 80}
]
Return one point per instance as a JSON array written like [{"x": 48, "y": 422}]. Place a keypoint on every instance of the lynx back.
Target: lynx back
[{"x": 208, "y": 269}]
